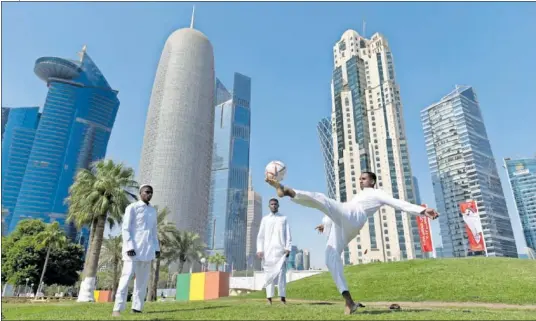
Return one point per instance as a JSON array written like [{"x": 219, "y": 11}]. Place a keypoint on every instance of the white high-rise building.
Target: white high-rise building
[
  {"x": 369, "y": 135},
  {"x": 254, "y": 217},
  {"x": 179, "y": 131}
]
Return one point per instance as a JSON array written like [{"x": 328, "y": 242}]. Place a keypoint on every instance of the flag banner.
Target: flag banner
[
  {"x": 425, "y": 232},
  {"x": 473, "y": 226}
]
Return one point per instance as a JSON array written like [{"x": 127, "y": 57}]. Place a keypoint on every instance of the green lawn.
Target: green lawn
[
  {"x": 245, "y": 309},
  {"x": 494, "y": 280}
]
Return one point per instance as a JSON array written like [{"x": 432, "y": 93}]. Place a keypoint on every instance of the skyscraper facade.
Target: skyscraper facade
[
  {"x": 16, "y": 147},
  {"x": 73, "y": 131},
  {"x": 179, "y": 130},
  {"x": 254, "y": 217},
  {"x": 228, "y": 207},
  {"x": 299, "y": 260},
  {"x": 416, "y": 190},
  {"x": 5, "y": 117},
  {"x": 463, "y": 168},
  {"x": 522, "y": 176},
  {"x": 369, "y": 135},
  {"x": 306, "y": 260}
]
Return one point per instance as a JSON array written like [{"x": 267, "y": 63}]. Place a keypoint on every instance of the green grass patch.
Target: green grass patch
[
  {"x": 493, "y": 280},
  {"x": 226, "y": 309}
]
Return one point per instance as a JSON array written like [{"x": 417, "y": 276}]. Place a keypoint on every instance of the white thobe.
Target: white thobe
[
  {"x": 345, "y": 220},
  {"x": 273, "y": 240},
  {"x": 139, "y": 232}
]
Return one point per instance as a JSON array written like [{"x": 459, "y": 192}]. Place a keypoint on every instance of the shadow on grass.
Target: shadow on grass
[
  {"x": 372, "y": 312},
  {"x": 190, "y": 309},
  {"x": 320, "y": 303}
]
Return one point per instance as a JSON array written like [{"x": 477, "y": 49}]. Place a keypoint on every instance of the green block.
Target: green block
[{"x": 183, "y": 287}]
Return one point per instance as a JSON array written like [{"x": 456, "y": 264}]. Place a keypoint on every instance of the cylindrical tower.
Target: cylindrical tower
[{"x": 177, "y": 145}]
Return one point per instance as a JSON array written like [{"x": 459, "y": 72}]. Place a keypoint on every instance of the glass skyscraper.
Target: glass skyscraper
[
  {"x": 463, "y": 168},
  {"x": 16, "y": 147},
  {"x": 522, "y": 175},
  {"x": 73, "y": 131},
  {"x": 226, "y": 230}
]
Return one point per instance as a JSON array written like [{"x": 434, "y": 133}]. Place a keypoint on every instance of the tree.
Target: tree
[
  {"x": 98, "y": 195},
  {"x": 217, "y": 259},
  {"x": 165, "y": 231},
  {"x": 23, "y": 258},
  {"x": 187, "y": 247},
  {"x": 52, "y": 237},
  {"x": 111, "y": 257}
]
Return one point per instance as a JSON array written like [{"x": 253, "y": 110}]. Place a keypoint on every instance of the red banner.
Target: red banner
[
  {"x": 425, "y": 233},
  {"x": 473, "y": 226}
]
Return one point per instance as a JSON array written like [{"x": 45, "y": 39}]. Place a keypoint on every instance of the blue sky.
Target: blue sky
[{"x": 286, "y": 48}]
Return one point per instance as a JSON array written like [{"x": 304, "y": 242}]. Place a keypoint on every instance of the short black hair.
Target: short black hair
[
  {"x": 372, "y": 176},
  {"x": 273, "y": 199}
]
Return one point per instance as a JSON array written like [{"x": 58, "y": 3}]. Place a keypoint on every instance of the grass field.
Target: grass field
[{"x": 491, "y": 280}]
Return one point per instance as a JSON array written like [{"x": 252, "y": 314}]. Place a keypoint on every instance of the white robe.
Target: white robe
[
  {"x": 343, "y": 221},
  {"x": 273, "y": 240},
  {"x": 139, "y": 232}
]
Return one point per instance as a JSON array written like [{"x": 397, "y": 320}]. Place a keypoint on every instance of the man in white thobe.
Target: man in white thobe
[
  {"x": 140, "y": 247},
  {"x": 344, "y": 221},
  {"x": 273, "y": 244}
]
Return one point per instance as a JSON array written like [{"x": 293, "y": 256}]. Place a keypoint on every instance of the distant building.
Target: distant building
[
  {"x": 291, "y": 262},
  {"x": 439, "y": 252},
  {"x": 299, "y": 260},
  {"x": 254, "y": 219},
  {"x": 306, "y": 260},
  {"x": 5, "y": 117}
]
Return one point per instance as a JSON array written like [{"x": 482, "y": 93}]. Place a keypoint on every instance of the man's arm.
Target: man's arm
[
  {"x": 260, "y": 238},
  {"x": 288, "y": 237},
  {"x": 156, "y": 243},
  {"x": 127, "y": 230},
  {"x": 400, "y": 204}
]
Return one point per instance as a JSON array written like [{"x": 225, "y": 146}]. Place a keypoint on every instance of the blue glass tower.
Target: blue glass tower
[
  {"x": 522, "y": 176},
  {"x": 74, "y": 129},
  {"x": 226, "y": 230},
  {"x": 16, "y": 147}
]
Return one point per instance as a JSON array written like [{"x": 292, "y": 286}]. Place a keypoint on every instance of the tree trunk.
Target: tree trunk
[
  {"x": 181, "y": 266},
  {"x": 115, "y": 276},
  {"x": 88, "y": 285},
  {"x": 91, "y": 236},
  {"x": 44, "y": 270},
  {"x": 156, "y": 277}
]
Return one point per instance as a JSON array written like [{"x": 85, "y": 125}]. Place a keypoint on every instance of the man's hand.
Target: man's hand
[
  {"x": 320, "y": 228},
  {"x": 272, "y": 181},
  {"x": 431, "y": 213},
  {"x": 157, "y": 254},
  {"x": 131, "y": 253},
  {"x": 287, "y": 253},
  {"x": 260, "y": 255}
]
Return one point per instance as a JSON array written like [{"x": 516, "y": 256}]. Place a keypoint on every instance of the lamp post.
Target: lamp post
[
  {"x": 32, "y": 289},
  {"x": 26, "y": 286},
  {"x": 203, "y": 262}
]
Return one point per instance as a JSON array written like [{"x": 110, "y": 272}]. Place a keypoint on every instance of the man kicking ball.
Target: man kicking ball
[{"x": 343, "y": 221}]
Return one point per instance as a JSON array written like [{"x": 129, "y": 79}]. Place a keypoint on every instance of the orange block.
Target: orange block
[
  {"x": 216, "y": 285},
  {"x": 105, "y": 296}
]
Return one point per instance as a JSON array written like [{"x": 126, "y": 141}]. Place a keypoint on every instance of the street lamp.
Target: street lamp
[
  {"x": 32, "y": 289},
  {"x": 203, "y": 261},
  {"x": 26, "y": 286}
]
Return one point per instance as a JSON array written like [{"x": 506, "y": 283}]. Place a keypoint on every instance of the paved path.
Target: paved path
[{"x": 426, "y": 304}]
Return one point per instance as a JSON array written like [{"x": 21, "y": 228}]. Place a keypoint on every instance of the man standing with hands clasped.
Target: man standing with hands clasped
[
  {"x": 273, "y": 244},
  {"x": 140, "y": 247}
]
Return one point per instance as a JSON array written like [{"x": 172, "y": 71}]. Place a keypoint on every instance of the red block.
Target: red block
[{"x": 216, "y": 285}]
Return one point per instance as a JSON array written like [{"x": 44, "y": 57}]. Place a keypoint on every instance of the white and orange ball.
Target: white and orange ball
[{"x": 276, "y": 170}]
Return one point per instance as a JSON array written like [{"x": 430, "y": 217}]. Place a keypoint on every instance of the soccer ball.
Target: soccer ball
[{"x": 276, "y": 170}]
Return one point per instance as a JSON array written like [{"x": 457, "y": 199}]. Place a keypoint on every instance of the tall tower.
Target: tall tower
[
  {"x": 73, "y": 131},
  {"x": 368, "y": 134},
  {"x": 463, "y": 168},
  {"x": 253, "y": 225},
  {"x": 177, "y": 145},
  {"x": 522, "y": 176}
]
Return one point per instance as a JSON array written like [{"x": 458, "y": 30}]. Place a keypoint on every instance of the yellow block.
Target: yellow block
[
  {"x": 96, "y": 295},
  {"x": 197, "y": 287}
]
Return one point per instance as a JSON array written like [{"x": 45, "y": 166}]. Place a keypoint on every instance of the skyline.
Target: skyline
[{"x": 423, "y": 77}]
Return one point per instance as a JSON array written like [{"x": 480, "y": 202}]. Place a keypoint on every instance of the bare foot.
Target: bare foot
[
  {"x": 351, "y": 309},
  {"x": 116, "y": 314},
  {"x": 275, "y": 184}
]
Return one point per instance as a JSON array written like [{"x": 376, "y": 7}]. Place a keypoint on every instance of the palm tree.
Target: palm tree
[
  {"x": 111, "y": 256},
  {"x": 217, "y": 259},
  {"x": 53, "y": 237},
  {"x": 185, "y": 246},
  {"x": 97, "y": 196},
  {"x": 165, "y": 231}
]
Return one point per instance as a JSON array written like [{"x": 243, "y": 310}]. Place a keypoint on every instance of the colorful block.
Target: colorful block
[
  {"x": 197, "y": 287},
  {"x": 216, "y": 285},
  {"x": 104, "y": 296},
  {"x": 96, "y": 295},
  {"x": 183, "y": 287}
]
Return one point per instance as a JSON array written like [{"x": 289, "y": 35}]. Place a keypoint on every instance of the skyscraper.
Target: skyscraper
[
  {"x": 306, "y": 260},
  {"x": 299, "y": 260},
  {"x": 179, "y": 130},
  {"x": 5, "y": 117},
  {"x": 227, "y": 228},
  {"x": 369, "y": 134},
  {"x": 416, "y": 190},
  {"x": 73, "y": 131},
  {"x": 254, "y": 218},
  {"x": 522, "y": 175},
  {"x": 463, "y": 168},
  {"x": 19, "y": 137}
]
